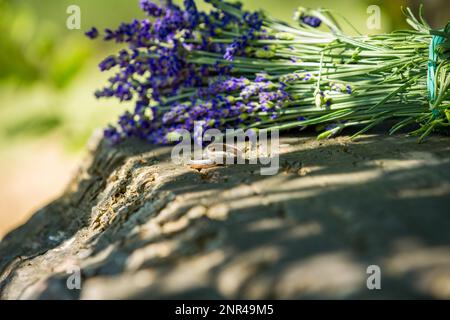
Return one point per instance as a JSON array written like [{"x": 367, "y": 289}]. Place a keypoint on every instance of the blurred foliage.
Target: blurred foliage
[
  {"x": 34, "y": 125},
  {"x": 32, "y": 50},
  {"x": 48, "y": 72}
]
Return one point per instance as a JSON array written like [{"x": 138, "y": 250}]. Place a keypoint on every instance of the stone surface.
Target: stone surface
[{"x": 139, "y": 226}]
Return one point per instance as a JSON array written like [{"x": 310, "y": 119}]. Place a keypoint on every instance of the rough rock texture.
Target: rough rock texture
[{"x": 139, "y": 226}]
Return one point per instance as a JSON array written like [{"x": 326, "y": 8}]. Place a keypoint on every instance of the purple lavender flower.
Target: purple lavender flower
[
  {"x": 253, "y": 20},
  {"x": 155, "y": 67},
  {"x": 349, "y": 89},
  {"x": 228, "y": 85},
  {"x": 106, "y": 92},
  {"x": 338, "y": 87},
  {"x": 112, "y": 135},
  {"x": 123, "y": 92},
  {"x": 239, "y": 44},
  {"x": 92, "y": 33},
  {"x": 301, "y": 15},
  {"x": 292, "y": 77},
  {"x": 151, "y": 8},
  {"x": 108, "y": 63},
  {"x": 311, "y": 21},
  {"x": 261, "y": 77},
  {"x": 191, "y": 14}
]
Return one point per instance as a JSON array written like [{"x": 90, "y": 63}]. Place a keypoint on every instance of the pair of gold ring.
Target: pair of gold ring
[{"x": 216, "y": 154}]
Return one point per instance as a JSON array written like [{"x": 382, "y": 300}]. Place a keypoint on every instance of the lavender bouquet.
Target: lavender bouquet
[{"x": 230, "y": 68}]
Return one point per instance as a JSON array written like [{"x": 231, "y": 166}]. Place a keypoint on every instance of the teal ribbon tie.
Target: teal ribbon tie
[{"x": 432, "y": 64}]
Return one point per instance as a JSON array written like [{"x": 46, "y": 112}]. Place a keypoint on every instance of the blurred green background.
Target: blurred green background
[{"x": 48, "y": 74}]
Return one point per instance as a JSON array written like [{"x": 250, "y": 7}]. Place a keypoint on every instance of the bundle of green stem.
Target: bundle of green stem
[{"x": 284, "y": 76}]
